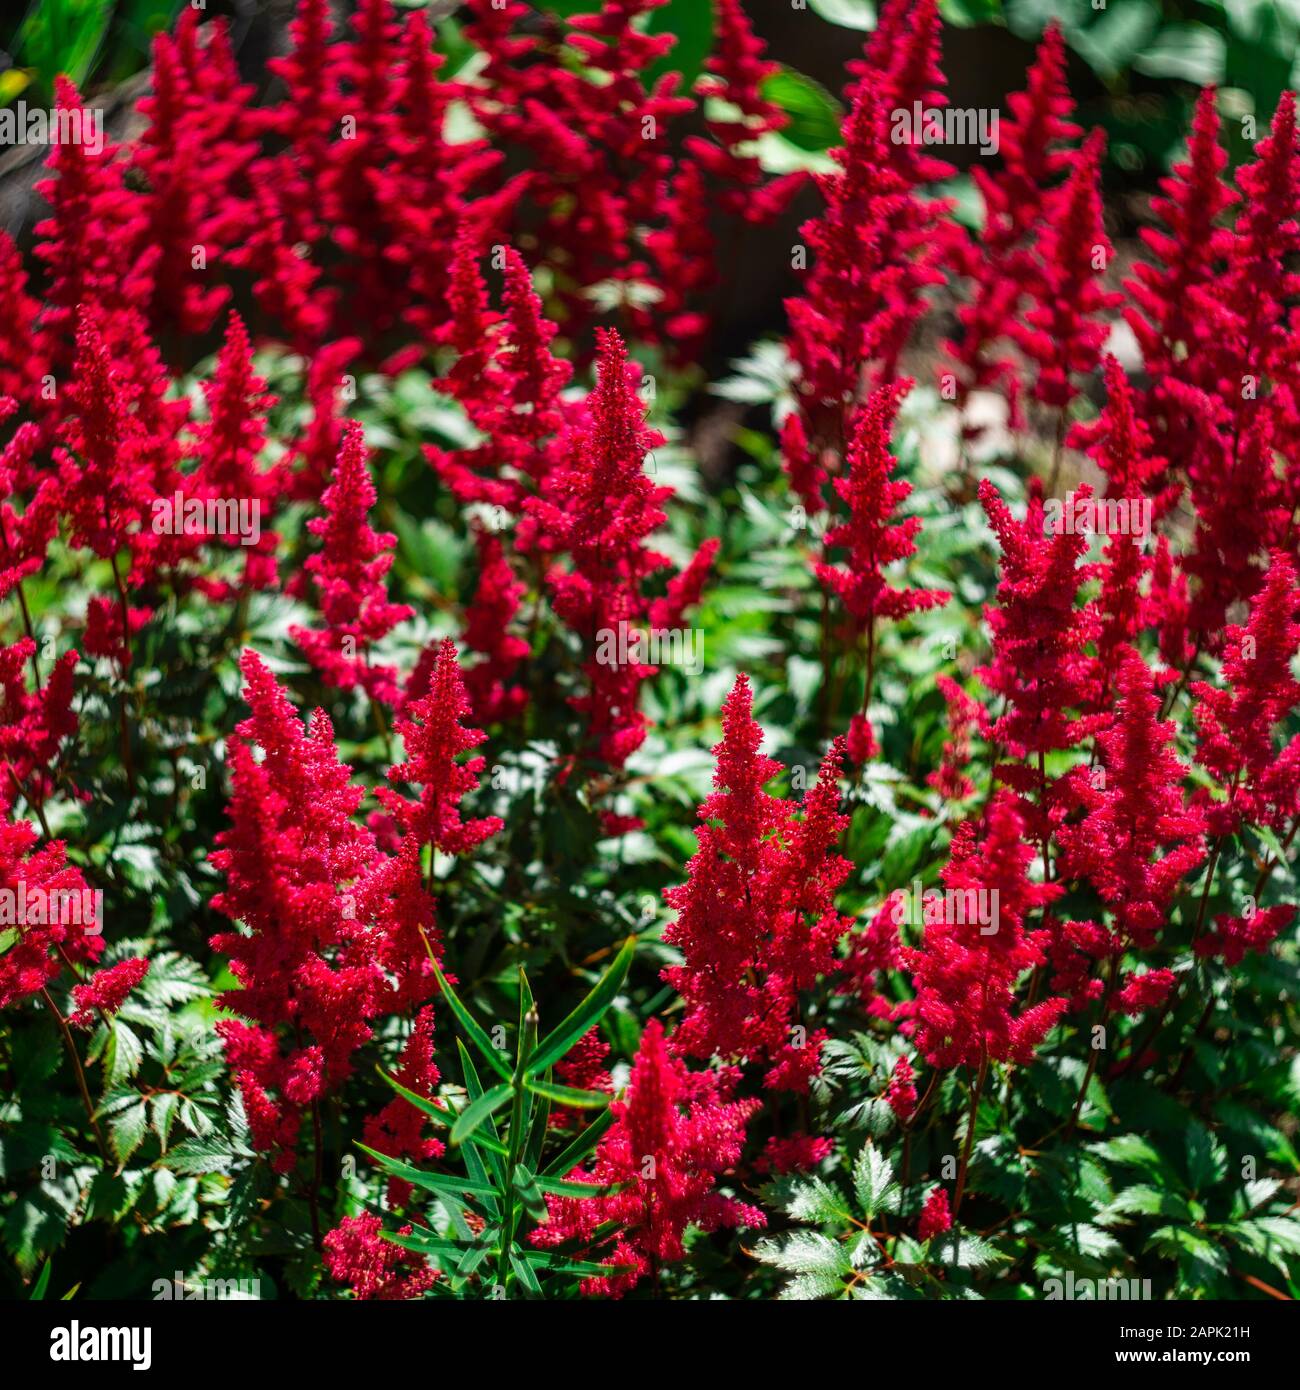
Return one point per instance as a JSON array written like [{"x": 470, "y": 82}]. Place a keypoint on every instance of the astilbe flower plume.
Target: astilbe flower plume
[
  {"x": 756, "y": 921},
  {"x": 873, "y": 536},
  {"x": 1000, "y": 263},
  {"x": 597, "y": 508},
  {"x": 1062, "y": 329},
  {"x": 1136, "y": 842},
  {"x": 434, "y": 736},
  {"x": 37, "y": 956},
  {"x": 674, "y": 1134},
  {"x": 873, "y": 254},
  {"x": 33, "y": 724},
  {"x": 950, "y": 779},
  {"x": 1039, "y": 663},
  {"x": 106, "y": 990},
  {"x": 329, "y": 945},
  {"x": 398, "y": 1129},
  {"x": 965, "y": 1010},
  {"x": 227, "y": 446},
  {"x": 1237, "y": 719},
  {"x": 357, "y": 1254},
  {"x": 348, "y": 572}
]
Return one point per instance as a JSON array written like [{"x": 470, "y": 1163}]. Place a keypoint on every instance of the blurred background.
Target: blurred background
[{"x": 1135, "y": 68}]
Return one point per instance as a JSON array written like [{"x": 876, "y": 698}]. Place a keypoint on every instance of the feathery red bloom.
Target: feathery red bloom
[
  {"x": 901, "y": 1093},
  {"x": 950, "y": 780},
  {"x": 873, "y": 536},
  {"x": 1000, "y": 265},
  {"x": 356, "y": 1254},
  {"x": 435, "y": 737},
  {"x": 965, "y": 976},
  {"x": 1237, "y": 721},
  {"x": 675, "y": 1133},
  {"x": 348, "y": 572},
  {"x": 935, "y": 1216},
  {"x": 106, "y": 990},
  {"x": 43, "y": 877},
  {"x": 1062, "y": 329},
  {"x": 397, "y": 1130},
  {"x": 756, "y": 918}
]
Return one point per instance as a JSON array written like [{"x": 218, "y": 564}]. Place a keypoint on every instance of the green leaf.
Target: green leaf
[
  {"x": 42, "y": 1283},
  {"x": 817, "y": 1203},
  {"x": 874, "y": 1183},
  {"x": 848, "y": 14},
  {"x": 964, "y": 1252},
  {"x": 814, "y": 115},
  {"x": 570, "y": 1095},
  {"x": 437, "y": 1113},
  {"x": 586, "y": 1015},
  {"x": 473, "y": 1031},
  {"x": 127, "y": 1129},
  {"x": 477, "y": 1111},
  {"x": 442, "y": 1183},
  {"x": 804, "y": 1252},
  {"x": 1207, "y": 1159},
  {"x": 1189, "y": 52}
]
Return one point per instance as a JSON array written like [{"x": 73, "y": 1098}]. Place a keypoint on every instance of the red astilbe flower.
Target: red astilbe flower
[
  {"x": 330, "y": 944},
  {"x": 44, "y": 876},
  {"x": 106, "y": 990},
  {"x": 756, "y": 919},
  {"x": 999, "y": 263},
  {"x": 964, "y": 716},
  {"x": 397, "y": 1130},
  {"x": 584, "y": 115},
  {"x": 1138, "y": 838},
  {"x": 1062, "y": 329},
  {"x": 33, "y": 724},
  {"x": 492, "y": 694},
  {"x": 348, "y": 572},
  {"x": 1039, "y": 663},
  {"x": 597, "y": 508},
  {"x": 874, "y": 253},
  {"x": 171, "y": 160},
  {"x": 508, "y": 381},
  {"x": 901, "y": 1091},
  {"x": 874, "y": 953},
  {"x": 965, "y": 980},
  {"x": 89, "y": 245},
  {"x": 312, "y": 457},
  {"x": 736, "y": 71},
  {"x": 585, "y": 1067},
  {"x": 357, "y": 1254},
  {"x": 1172, "y": 297},
  {"x": 1236, "y": 721},
  {"x": 25, "y": 536},
  {"x": 435, "y": 737},
  {"x": 227, "y": 446},
  {"x": 1120, "y": 444},
  {"x": 674, "y": 1134},
  {"x": 936, "y": 1219},
  {"x": 794, "y": 1153},
  {"x": 873, "y": 536},
  {"x": 22, "y": 363}
]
